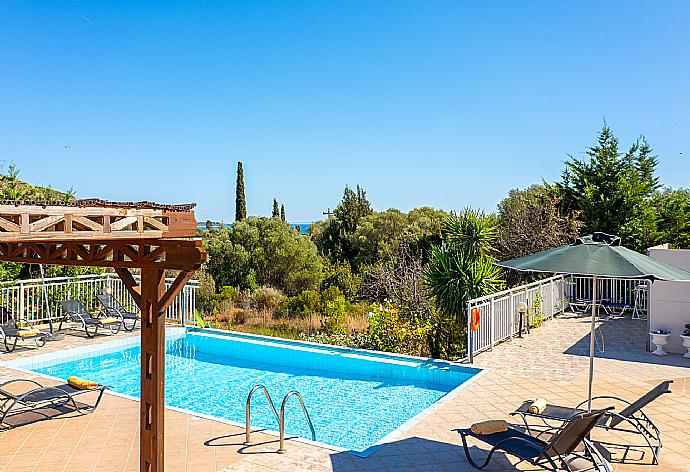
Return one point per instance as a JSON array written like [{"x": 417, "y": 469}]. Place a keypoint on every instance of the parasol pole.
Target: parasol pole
[{"x": 592, "y": 341}]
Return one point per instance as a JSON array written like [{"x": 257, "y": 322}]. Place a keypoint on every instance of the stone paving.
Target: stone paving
[{"x": 551, "y": 362}]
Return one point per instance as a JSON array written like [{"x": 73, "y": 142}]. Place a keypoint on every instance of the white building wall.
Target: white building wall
[{"x": 669, "y": 302}]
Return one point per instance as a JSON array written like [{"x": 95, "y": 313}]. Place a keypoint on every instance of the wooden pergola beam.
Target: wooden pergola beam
[
  {"x": 177, "y": 285},
  {"x": 174, "y": 254},
  {"x": 129, "y": 283}
]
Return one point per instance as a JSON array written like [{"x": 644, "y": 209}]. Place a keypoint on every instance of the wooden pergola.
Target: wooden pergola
[{"x": 143, "y": 235}]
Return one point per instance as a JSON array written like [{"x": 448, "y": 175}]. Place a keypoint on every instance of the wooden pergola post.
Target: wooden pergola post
[
  {"x": 147, "y": 236},
  {"x": 152, "y": 406}
]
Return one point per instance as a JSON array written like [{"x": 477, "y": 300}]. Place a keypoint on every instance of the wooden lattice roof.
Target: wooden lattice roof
[
  {"x": 94, "y": 219},
  {"x": 100, "y": 233},
  {"x": 97, "y": 202}
]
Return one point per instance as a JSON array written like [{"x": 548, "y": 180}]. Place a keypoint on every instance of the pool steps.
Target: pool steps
[{"x": 280, "y": 419}]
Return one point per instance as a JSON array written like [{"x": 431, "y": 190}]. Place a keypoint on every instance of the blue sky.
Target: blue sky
[{"x": 447, "y": 104}]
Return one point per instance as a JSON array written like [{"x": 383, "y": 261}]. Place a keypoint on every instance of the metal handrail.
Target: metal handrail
[
  {"x": 248, "y": 408},
  {"x": 281, "y": 450},
  {"x": 520, "y": 288}
]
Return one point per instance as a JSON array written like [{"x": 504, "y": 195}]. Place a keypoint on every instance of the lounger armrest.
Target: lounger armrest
[
  {"x": 637, "y": 423},
  {"x": 604, "y": 397},
  {"x": 14, "y": 381},
  {"x": 541, "y": 450}
]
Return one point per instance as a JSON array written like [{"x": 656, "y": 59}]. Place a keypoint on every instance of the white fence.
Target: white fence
[
  {"x": 39, "y": 300},
  {"x": 612, "y": 292},
  {"x": 499, "y": 320}
]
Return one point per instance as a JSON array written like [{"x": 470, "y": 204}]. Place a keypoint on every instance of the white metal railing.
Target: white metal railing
[
  {"x": 618, "y": 293},
  {"x": 39, "y": 300},
  {"x": 498, "y": 318}
]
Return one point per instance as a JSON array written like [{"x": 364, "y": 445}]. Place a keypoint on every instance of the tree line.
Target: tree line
[{"x": 425, "y": 264}]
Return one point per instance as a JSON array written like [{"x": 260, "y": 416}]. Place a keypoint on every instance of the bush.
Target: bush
[
  {"x": 263, "y": 251},
  {"x": 267, "y": 299},
  {"x": 340, "y": 275},
  {"x": 228, "y": 293},
  {"x": 356, "y": 340},
  {"x": 306, "y": 303},
  {"x": 334, "y": 313},
  {"x": 240, "y": 317},
  {"x": 390, "y": 333},
  {"x": 244, "y": 299},
  {"x": 330, "y": 294}
]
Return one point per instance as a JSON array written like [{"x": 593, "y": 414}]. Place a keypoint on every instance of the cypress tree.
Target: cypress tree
[
  {"x": 240, "y": 200},
  {"x": 282, "y": 212},
  {"x": 276, "y": 211}
]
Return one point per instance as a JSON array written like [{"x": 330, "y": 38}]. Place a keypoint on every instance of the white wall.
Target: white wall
[{"x": 669, "y": 302}]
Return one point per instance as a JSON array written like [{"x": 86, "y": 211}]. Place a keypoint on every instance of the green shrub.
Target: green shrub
[
  {"x": 334, "y": 316},
  {"x": 535, "y": 313},
  {"x": 389, "y": 332},
  {"x": 267, "y": 299},
  {"x": 228, "y": 293},
  {"x": 306, "y": 303},
  {"x": 357, "y": 340},
  {"x": 330, "y": 294},
  {"x": 340, "y": 275},
  {"x": 199, "y": 320}
]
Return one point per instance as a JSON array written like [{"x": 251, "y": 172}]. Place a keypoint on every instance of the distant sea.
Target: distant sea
[{"x": 303, "y": 226}]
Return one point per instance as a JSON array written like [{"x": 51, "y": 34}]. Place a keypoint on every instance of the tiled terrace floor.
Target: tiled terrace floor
[{"x": 551, "y": 362}]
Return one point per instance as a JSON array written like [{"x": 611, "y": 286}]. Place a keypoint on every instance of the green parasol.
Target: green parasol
[{"x": 597, "y": 255}]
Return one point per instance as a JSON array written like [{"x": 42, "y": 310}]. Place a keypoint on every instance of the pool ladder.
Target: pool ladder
[{"x": 279, "y": 418}]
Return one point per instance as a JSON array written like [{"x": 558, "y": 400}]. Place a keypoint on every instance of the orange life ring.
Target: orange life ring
[{"x": 474, "y": 319}]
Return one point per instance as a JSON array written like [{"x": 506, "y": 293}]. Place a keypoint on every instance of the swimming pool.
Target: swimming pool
[{"x": 354, "y": 397}]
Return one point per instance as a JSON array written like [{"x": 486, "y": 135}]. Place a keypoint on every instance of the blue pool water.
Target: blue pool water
[{"x": 355, "y": 398}]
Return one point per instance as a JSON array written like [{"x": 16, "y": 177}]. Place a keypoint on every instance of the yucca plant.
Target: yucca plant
[
  {"x": 471, "y": 232},
  {"x": 459, "y": 269},
  {"x": 455, "y": 276}
]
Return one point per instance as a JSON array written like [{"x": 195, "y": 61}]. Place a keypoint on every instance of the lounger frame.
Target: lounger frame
[
  {"x": 636, "y": 421},
  {"x": 80, "y": 315},
  {"x": 19, "y": 403},
  {"x": 8, "y": 332},
  {"x": 115, "y": 309},
  {"x": 548, "y": 455}
]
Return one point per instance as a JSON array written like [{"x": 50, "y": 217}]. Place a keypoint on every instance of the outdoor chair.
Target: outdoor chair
[
  {"x": 77, "y": 313},
  {"x": 584, "y": 305},
  {"x": 618, "y": 308},
  {"x": 631, "y": 419},
  {"x": 116, "y": 310},
  {"x": 560, "y": 452},
  {"x": 13, "y": 330},
  {"x": 39, "y": 396}
]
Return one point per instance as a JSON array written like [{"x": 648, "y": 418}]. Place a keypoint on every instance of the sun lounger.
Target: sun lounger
[
  {"x": 560, "y": 452},
  {"x": 584, "y": 305},
  {"x": 37, "y": 396},
  {"x": 14, "y": 330},
  {"x": 630, "y": 419},
  {"x": 116, "y": 310},
  {"x": 77, "y": 313}
]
